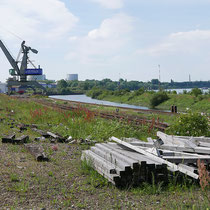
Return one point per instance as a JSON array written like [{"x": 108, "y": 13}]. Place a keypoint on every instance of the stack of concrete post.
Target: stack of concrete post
[{"x": 133, "y": 162}]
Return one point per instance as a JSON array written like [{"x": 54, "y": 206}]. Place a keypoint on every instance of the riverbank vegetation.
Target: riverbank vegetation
[
  {"x": 190, "y": 124},
  {"x": 71, "y": 87},
  {"x": 140, "y": 93},
  {"x": 65, "y": 182},
  {"x": 194, "y": 100}
]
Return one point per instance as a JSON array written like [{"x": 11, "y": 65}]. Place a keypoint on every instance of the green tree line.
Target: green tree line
[{"x": 68, "y": 87}]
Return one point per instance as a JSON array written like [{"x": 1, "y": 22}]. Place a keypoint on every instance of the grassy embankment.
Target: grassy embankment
[
  {"x": 64, "y": 182},
  {"x": 182, "y": 101},
  {"x": 112, "y": 110}
]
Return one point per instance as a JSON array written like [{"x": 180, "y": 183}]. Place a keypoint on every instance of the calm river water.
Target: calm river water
[{"x": 86, "y": 99}]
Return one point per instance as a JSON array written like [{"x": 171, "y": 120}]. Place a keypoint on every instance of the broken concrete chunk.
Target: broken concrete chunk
[
  {"x": 56, "y": 136},
  {"x": 11, "y": 139},
  {"x": 41, "y": 132},
  {"x": 21, "y": 140},
  {"x": 33, "y": 126},
  {"x": 42, "y": 138},
  {"x": 37, "y": 151},
  {"x": 8, "y": 139},
  {"x": 22, "y": 127},
  {"x": 53, "y": 141},
  {"x": 73, "y": 141}
]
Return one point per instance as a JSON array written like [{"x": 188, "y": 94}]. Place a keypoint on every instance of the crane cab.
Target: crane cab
[{"x": 12, "y": 72}]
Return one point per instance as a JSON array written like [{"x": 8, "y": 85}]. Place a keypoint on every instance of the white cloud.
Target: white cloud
[
  {"x": 110, "y": 4},
  {"x": 175, "y": 2},
  {"x": 46, "y": 20},
  {"x": 101, "y": 44},
  {"x": 181, "y": 42}
]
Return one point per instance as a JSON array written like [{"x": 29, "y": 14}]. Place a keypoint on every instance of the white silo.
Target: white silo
[{"x": 72, "y": 77}]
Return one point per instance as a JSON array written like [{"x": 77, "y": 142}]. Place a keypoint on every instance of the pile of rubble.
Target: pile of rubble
[{"x": 35, "y": 148}]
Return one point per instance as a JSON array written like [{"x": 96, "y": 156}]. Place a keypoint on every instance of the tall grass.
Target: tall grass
[{"x": 79, "y": 123}]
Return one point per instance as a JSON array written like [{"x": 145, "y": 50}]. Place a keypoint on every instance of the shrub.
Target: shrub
[
  {"x": 121, "y": 92},
  {"x": 158, "y": 98},
  {"x": 200, "y": 97},
  {"x": 94, "y": 93},
  {"x": 65, "y": 91},
  {"x": 184, "y": 91},
  {"x": 139, "y": 92},
  {"x": 190, "y": 124},
  {"x": 196, "y": 92}
]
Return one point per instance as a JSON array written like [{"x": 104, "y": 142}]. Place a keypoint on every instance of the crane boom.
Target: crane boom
[
  {"x": 24, "y": 62},
  {"x": 9, "y": 57}
]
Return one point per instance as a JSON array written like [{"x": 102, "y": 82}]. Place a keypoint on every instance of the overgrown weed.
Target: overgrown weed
[{"x": 93, "y": 177}]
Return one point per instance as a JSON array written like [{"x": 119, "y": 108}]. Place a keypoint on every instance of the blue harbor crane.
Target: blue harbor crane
[{"x": 21, "y": 71}]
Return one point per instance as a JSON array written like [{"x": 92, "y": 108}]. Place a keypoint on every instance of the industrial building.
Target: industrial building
[
  {"x": 71, "y": 77},
  {"x": 36, "y": 77},
  {"x": 3, "y": 87},
  {"x": 51, "y": 85}
]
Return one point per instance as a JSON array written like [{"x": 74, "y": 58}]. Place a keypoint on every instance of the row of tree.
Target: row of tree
[{"x": 65, "y": 87}]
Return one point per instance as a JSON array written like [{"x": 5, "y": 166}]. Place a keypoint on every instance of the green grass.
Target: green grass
[
  {"x": 65, "y": 182},
  {"x": 14, "y": 177},
  {"x": 182, "y": 101},
  {"x": 94, "y": 179},
  {"x": 77, "y": 124}
]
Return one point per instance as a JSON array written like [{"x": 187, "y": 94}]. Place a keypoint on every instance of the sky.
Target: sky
[{"x": 130, "y": 39}]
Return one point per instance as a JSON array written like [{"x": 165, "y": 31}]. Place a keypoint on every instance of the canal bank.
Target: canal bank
[{"x": 88, "y": 100}]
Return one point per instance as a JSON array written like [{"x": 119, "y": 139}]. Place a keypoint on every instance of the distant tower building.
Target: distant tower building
[
  {"x": 189, "y": 78},
  {"x": 3, "y": 87},
  {"x": 72, "y": 77}
]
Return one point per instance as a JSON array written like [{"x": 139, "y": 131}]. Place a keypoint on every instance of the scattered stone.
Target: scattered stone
[
  {"x": 81, "y": 141},
  {"x": 22, "y": 159},
  {"x": 33, "y": 126},
  {"x": 53, "y": 141},
  {"x": 87, "y": 141},
  {"x": 42, "y": 138},
  {"x": 22, "y": 127},
  {"x": 73, "y": 141},
  {"x": 68, "y": 140},
  {"x": 37, "y": 138}
]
